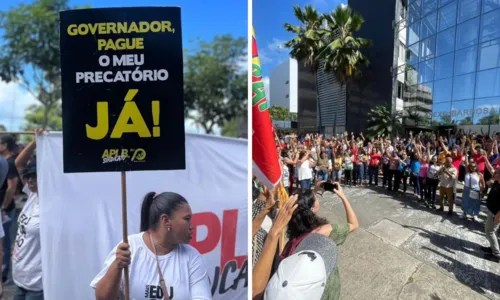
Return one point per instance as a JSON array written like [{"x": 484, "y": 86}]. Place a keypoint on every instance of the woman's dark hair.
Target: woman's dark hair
[
  {"x": 304, "y": 219},
  {"x": 154, "y": 205},
  {"x": 302, "y": 154}
]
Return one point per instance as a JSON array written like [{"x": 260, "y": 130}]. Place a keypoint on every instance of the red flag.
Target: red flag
[{"x": 264, "y": 156}]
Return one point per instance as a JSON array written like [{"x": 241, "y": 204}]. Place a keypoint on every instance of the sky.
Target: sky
[
  {"x": 200, "y": 19},
  {"x": 269, "y": 18}
]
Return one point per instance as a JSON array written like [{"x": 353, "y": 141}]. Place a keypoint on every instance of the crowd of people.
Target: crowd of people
[
  {"x": 18, "y": 184},
  {"x": 433, "y": 169}
]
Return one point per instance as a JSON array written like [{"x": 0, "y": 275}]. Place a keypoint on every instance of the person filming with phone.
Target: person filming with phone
[{"x": 305, "y": 221}]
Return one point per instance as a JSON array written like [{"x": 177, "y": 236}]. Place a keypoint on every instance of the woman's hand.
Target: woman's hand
[
  {"x": 339, "y": 191},
  {"x": 123, "y": 255},
  {"x": 284, "y": 216}
]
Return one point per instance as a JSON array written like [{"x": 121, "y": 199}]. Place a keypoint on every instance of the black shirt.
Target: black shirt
[
  {"x": 12, "y": 173},
  {"x": 493, "y": 201}
]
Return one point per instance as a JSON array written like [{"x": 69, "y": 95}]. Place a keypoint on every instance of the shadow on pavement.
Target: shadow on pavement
[
  {"x": 478, "y": 280},
  {"x": 449, "y": 243},
  {"x": 409, "y": 200}
]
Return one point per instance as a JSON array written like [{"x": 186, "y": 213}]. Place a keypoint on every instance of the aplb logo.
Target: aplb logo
[{"x": 114, "y": 155}]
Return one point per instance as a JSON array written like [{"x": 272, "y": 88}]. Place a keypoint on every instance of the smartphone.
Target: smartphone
[{"x": 328, "y": 186}]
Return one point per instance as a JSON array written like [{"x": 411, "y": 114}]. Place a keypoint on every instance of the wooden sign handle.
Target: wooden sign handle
[{"x": 125, "y": 230}]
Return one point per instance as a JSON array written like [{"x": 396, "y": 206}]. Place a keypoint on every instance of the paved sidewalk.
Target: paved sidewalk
[{"x": 405, "y": 251}]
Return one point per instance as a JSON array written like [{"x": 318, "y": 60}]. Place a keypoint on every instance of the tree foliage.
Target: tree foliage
[
  {"x": 382, "y": 122},
  {"x": 30, "y": 54},
  {"x": 343, "y": 54},
  {"x": 35, "y": 118},
  {"x": 280, "y": 113},
  {"x": 215, "y": 83},
  {"x": 3, "y": 128},
  {"x": 492, "y": 119}
]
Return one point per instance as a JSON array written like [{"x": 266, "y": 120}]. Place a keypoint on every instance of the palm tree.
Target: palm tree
[
  {"x": 382, "y": 122},
  {"x": 342, "y": 54},
  {"x": 466, "y": 121},
  {"x": 413, "y": 116},
  {"x": 307, "y": 42}
]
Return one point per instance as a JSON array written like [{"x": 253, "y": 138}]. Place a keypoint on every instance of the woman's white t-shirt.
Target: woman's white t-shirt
[
  {"x": 27, "y": 256},
  {"x": 183, "y": 269},
  {"x": 305, "y": 171}
]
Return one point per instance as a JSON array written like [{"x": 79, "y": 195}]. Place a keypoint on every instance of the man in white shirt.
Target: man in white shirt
[{"x": 447, "y": 180}]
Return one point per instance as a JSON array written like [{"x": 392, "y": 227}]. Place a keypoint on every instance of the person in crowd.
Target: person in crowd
[
  {"x": 324, "y": 166},
  {"x": 360, "y": 167},
  {"x": 432, "y": 182},
  {"x": 7, "y": 194},
  {"x": 406, "y": 170},
  {"x": 262, "y": 207},
  {"x": 386, "y": 157},
  {"x": 305, "y": 221},
  {"x": 374, "y": 166},
  {"x": 422, "y": 174},
  {"x": 393, "y": 169},
  {"x": 305, "y": 165},
  {"x": 337, "y": 165},
  {"x": 158, "y": 256},
  {"x": 493, "y": 215},
  {"x": 263, "y": 268},
  {"x": 447, "y": 178},
  {"x": 473, "y": 186},
  {"x": 4, "y": 169},
  {"x": 348, "y": 167},
  {"x": 27, "y": 257}
]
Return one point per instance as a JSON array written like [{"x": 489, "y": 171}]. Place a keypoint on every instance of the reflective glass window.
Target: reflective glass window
[
  {"x": 424, "y": 96},
  {"x": 467, "y": 33},
  {"x": 463, "y": 86},
  {"x": 428, "y": 6},
  {"x": 428, "y": 26},
  {"x": 428, "y": 48},
  {"x": 442, "y": 90},
  {"x": 461, "y": 112},
  {"x": 441, "y": 112},
  {"x": 426, "y": 71},
  {"x": 411, "y": 74},
  {"x": 414, "y": 12},
  {"x": 486, "y": 111},
  {"x": 488, "y": 83},
  {"x": 444, "y": 2},
  {"x": 445, "y": 41},
  {"x": 468, "y": 9},
  {"x": 489, "y": 55},
  {"x": 447, "y": 16},
  {"x": 444, "y": 66},
  {"x": 413, "y": 33},
  {"x": 490, "y": 26},
  {"x": 465, "y": 60},
  {"x": 490, "y": 5},
  {"x": 412, "y": 54}
]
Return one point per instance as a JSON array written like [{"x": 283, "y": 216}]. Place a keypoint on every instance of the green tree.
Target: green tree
[
  {"x": 413, "y": 117},
  {"x": 230, "y": 128},
  {"x": 307, "y": 41},
  {"x": 3, "y": 128},
  {"x": 447, "y": 120},
  {"x": 342, "y": 55},
  {"x": 466, "y": 121},
  {"x": 215, "y": 85},
  {"x": 381, "y": 121},
  {"x": 35, "y": 118},
  {"x": 30, "y": 51},
  {"x": 279, "y": 113},
  {"x": 492, "y": 119}
]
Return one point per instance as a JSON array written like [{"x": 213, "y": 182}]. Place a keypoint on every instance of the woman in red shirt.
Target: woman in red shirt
[{"x": 374, "y": 165}]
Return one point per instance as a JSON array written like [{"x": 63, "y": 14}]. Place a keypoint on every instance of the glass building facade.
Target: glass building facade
[{"x": 453, "y": 61}]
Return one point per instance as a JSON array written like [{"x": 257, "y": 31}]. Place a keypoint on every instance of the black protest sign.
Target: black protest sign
[{"x": 122, "y": 89}]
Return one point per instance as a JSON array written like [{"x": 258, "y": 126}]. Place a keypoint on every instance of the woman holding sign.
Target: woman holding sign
[{"x": 162, "y": 264}]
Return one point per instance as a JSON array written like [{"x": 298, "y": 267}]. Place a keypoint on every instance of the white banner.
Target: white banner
[{"x": 80, "y": 214}]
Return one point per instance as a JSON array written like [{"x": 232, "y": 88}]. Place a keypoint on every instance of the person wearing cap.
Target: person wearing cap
[
  {"x": 7, "y": 193},
  {"x": 305, "y": 221},
  {"x": 304, "y": 275},
  {"x": 26, "y": 256}
]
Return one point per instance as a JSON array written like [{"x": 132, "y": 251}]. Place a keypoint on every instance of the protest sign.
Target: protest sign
[
  {"x": 86, "y": 208},
  {"x": 122, "y": 89}
]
